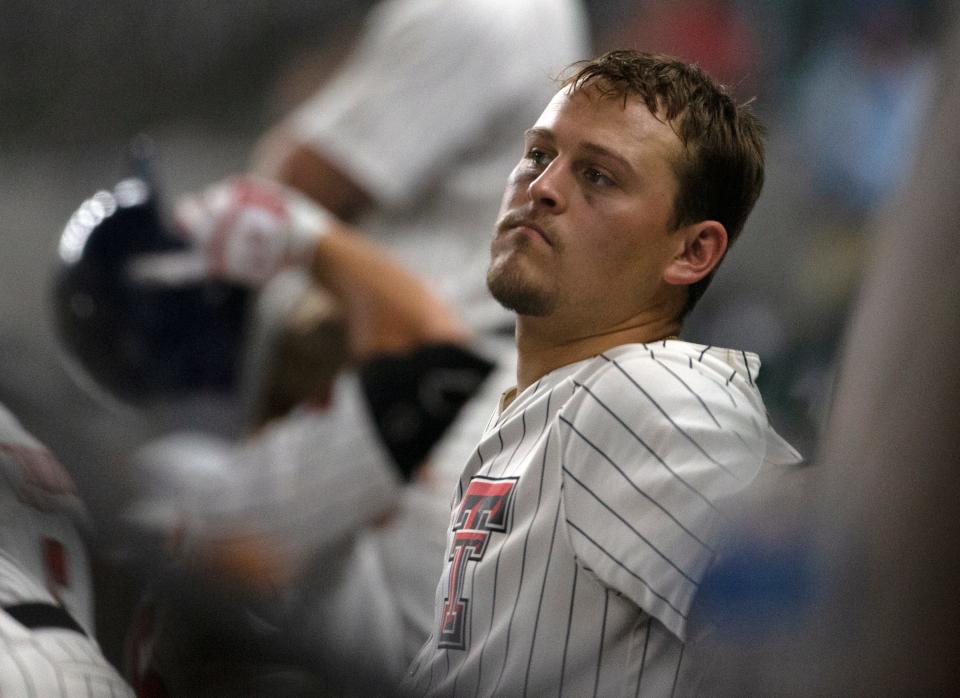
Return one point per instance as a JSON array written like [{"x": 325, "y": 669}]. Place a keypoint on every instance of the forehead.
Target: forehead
[{"x": 623, "y": 125}]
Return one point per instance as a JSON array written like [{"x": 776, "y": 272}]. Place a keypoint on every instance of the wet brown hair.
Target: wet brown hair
[{"x": 720, "y": 172}]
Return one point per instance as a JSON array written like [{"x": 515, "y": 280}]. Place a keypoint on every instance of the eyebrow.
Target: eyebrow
[
  {"x": 600, "y": 151},
  {"x": 591, "y": 148}
]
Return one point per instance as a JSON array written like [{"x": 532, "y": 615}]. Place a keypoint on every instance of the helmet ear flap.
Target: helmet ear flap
[{"x": 140, "y": 339}]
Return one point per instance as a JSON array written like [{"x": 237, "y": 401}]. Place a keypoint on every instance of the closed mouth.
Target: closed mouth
[{"x": 516, "y": 225}]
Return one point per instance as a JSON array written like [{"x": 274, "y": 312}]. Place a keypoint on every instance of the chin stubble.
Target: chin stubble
[{"x": 513, "y": 292}]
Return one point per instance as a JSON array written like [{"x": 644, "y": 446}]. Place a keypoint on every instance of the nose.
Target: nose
[{"x": 547, "y": 189}]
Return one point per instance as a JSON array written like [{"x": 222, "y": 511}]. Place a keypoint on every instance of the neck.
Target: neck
[{"x": 542, "y": 348}]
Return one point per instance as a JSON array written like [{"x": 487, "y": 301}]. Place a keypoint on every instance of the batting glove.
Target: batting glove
[{"x": 249, "y": 228}]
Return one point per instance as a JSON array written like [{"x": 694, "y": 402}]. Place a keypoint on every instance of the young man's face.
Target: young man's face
[{"x": 583, "y": 235}]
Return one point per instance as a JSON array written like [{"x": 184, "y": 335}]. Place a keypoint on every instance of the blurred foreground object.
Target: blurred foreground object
[
  {"x": 890, "y": 487},
  {"x": 881, "y": 511},
  {"x": 305, "y": 353},
  {"x": 140, "y": 314},
  {"x": 136, "y": 338},
  {"x": 248, "y": 228},
  {"x": 48, "y": 645}
]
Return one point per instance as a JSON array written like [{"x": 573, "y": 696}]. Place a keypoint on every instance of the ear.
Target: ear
[{"x": 700, "y": 247}]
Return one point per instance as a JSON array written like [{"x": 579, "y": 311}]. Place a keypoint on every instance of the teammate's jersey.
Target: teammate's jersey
[
  {"x": 585, "y": 520},
  {"x": 54, "y": 663},
  {"x": 39, "y": 512},
  {"x": 47, "y": 646},
  {"x": 432, "y": 140}
]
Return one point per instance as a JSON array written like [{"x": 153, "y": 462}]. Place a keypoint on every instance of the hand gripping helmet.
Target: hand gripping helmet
[{"x": 143, "y": 336}]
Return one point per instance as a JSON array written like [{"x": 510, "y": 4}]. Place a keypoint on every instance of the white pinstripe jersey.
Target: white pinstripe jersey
[
  {"x": 42, "y": 560},
  {"x": 39, "y": 510},
  {"x": 50, "y": 662},
  {"x": 585, "y": 520}
]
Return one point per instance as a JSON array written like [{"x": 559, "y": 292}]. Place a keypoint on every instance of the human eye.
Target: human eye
[
  {"x": 537, "y": 156},
  {"x": 597, "y": 178}
]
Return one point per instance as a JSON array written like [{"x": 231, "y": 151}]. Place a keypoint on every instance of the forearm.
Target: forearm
[{"x": 280, "y": 157}]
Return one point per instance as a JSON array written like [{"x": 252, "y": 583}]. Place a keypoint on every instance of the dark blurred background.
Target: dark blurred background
[{"x": 842, "y": 84}]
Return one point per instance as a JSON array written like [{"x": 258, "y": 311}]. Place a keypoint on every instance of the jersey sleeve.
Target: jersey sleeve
[
  {"x": 306, "y": 483},
  {"x": 424, "y": 83},
  {"x": 42, "y": 552},
  {"x": 652, "y": 446}
]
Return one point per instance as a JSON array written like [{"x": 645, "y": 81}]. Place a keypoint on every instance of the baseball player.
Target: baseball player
[
  {"x": 592, "y": 506},
  {"x": 47, "y": 644}
]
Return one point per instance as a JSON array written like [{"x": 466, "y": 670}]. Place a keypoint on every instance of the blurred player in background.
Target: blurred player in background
[
  {"x": 400, "y": 142},
  {"x": 47, "y": 641},
  {"x": 308, "y": 528},
  {"x": 410, "y": 139},
  {"x": 880, "y": 512}
]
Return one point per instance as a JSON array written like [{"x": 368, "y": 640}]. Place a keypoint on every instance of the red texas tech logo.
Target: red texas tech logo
[{"x": 484, "y": 508}]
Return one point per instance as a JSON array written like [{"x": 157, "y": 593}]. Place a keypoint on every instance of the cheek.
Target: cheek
[
  {"x": 594, "y": 266},
  {"x": 512, "y": 193},
  {"x": 614, "y": 242},
  {"x": 619, "y": 258},
  {"x": 520, "y": 177}
]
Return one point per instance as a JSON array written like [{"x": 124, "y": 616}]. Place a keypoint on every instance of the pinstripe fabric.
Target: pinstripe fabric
[
  {"x": 37, "y": 507},
  {"x": 619, "y": 466},
  {"x": 53, "y": 663}
]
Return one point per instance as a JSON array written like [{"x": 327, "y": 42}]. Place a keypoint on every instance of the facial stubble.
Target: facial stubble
[{"x": 513, "y": 289}]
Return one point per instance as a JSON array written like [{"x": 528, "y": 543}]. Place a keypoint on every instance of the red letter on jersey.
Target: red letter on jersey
[{"x": 484, "y": 508}]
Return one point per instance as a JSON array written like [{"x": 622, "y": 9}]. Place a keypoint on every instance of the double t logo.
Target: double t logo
[{"x": 484, "y": 508}]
